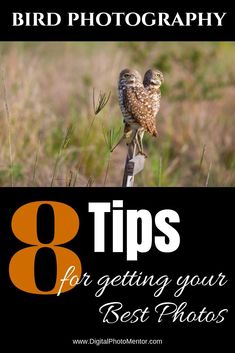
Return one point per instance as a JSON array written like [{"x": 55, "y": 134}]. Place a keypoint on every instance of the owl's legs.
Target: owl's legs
[
  {"x": 139, "y": 141},
  {"x": 129, "y": 134}
]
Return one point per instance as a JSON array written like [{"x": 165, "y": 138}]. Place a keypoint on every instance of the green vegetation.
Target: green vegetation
[{"x": 60, "y": 117}]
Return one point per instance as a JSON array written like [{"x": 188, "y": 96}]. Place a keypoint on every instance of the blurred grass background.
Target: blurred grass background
[{"x": 50, "y": 134}]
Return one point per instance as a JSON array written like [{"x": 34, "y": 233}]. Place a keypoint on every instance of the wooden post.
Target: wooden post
[{"x": 134, "y": 164}]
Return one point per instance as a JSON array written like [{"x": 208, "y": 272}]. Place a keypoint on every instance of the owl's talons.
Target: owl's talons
[{"x": 143, "y": 154}]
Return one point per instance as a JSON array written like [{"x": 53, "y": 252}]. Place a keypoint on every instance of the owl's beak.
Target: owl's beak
[{"x": 156, "y": 82}]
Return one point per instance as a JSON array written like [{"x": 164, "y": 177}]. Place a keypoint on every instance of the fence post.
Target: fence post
[{"x": 134, "y": 165}]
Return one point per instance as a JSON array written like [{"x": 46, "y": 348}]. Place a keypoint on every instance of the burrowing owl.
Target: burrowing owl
[
  {"x": 137, "y": 105},
  {"x": 152, "y": 83}
]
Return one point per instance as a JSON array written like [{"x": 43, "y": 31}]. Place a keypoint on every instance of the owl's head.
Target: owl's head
[
  {"x": 130, "y": 78},
  {"x": 153, "y": 78}
]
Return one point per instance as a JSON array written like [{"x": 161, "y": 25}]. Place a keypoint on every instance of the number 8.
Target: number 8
[{"x": 24, "y": 226}]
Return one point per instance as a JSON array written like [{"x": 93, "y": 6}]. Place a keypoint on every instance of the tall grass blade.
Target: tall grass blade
[
  {"x": 64, "y": 144},
  {"x": 202, "y": 156},
  {"x": 208, "y": 175},
  {"x": 160, "y": 171}
]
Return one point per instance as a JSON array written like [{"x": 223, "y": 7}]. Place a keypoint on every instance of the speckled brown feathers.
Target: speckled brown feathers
[
  {"x": 152, "y": 83},
  {"x": 140, "y": 110}
]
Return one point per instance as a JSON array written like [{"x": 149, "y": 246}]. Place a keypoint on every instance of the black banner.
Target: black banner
[
  {"x": 187, "y": 303},
  {"x": 136, "y": 22}
]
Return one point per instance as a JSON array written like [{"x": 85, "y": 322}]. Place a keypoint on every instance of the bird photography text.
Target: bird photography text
[{"x": 118, "y": 19}]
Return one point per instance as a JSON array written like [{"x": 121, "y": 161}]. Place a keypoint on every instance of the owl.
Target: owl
[
  {"x": 137, "y": 105},
  {"x": 152, "y": 83}
]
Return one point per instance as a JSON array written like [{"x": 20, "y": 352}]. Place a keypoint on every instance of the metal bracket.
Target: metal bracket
[{"x": 134, "y": 165}]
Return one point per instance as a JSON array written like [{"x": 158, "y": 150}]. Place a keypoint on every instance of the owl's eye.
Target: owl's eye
[{"x": 127, "y": 75}]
